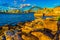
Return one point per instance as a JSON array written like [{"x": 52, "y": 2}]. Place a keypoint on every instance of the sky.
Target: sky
[{"x": 4, "y": 4}]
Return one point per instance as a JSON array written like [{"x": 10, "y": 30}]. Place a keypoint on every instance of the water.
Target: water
[
  {"x": 44, "y": 17},
  {"x": 13, "y": 19}
]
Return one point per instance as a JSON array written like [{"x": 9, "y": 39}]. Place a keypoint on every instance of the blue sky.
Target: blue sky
[{"x": 40, "y": 3}]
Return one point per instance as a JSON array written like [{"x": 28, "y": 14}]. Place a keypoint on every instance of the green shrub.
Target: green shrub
[{"x": 59, "y": 19}]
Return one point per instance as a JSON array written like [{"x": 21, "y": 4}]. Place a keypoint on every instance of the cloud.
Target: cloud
[
  {"x": 33, "y": 5},
  {"x": 23, "y": 0},
  {"x": 57, "y": 4},
  {"x": 24, "y": 5}
]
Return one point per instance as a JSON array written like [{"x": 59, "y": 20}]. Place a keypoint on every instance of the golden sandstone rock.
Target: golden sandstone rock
[{"x": 38, "y": 23}]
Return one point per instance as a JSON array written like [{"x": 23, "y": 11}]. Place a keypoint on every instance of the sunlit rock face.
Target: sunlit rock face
[{"x": 57, "y": 10}]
